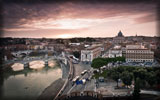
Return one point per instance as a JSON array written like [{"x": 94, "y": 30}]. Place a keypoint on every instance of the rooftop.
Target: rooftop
[
  {"x": 92, "y": 47},
  {"x": 117, "y": 47},
  {"x": 135, "y": 46}
]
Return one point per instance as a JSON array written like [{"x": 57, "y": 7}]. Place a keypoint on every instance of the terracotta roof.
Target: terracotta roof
[{"x": 92, "y": 48}]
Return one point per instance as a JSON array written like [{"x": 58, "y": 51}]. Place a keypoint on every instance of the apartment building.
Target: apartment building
[{"x": 138, "y": 53}]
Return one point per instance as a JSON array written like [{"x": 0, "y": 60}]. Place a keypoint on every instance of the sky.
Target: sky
[{"x": 72, "y": 19}]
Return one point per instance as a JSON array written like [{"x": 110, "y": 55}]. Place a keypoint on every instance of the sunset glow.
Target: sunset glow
[
  {"x": 79, "y": 20},
  {"x": 64, "y": 36}
]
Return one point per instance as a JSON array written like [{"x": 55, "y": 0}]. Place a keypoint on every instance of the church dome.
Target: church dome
[{"x": 120, "y": 34}]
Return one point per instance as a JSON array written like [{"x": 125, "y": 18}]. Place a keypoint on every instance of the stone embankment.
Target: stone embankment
[{"x": 54, "y": 90}]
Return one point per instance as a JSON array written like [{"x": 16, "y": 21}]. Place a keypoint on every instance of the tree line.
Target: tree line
[
  {"x": 99, "y": 62},
  {"x": 141, "y": 77}
]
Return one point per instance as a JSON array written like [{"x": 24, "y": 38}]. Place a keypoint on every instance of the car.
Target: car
[
  {"x": 85, "y": 71},
  {"x": 84, "y": 81},
  {"x": 103, "y": 68},
  {"x": 95, "y": 71},
  {"x": 75, "y": 79},
  {"x": 70, "y": 56},
  {"x": 89, "y": 78},
  {"x": 101, "y": 79},
  {"x": 74, "y": 62},
  {"x": 75, "y": 58}
]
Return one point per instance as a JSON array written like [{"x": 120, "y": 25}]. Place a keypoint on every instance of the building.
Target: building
[
  {"x": 90, "y": 53},
  {"x": 119, "y": 38},
  {"x": 124, "y": 51},
  {"x": 137, "y": 38},
  {"x": 74, "y": 44},
  {"x": 116, "y": 51},
  {"x": 138, "y": 53}
]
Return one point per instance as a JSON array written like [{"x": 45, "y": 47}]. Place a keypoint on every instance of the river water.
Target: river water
[{"x": 28, "y": 86}]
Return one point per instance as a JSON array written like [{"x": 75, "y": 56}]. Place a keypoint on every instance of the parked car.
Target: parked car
[
  {"x": 74, "y": 61},
  {"x": 103, "y": 67},
  {"x": 101, "y": 79},
  {"x": 95, "y": 71}
]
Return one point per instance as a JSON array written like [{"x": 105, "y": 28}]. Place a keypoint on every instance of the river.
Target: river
[{"x": 28, "y": 86}]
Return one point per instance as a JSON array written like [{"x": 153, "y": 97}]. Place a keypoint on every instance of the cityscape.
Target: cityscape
[{"x": 79, "y": 51}]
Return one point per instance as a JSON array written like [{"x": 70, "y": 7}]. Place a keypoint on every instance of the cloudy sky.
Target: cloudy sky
[{"x": 72, "y": 19}]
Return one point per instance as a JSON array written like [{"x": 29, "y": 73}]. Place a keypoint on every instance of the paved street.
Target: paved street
[
  {"x": 65, "y": 71},
  {"x": 88, "y": 86},
  {"x": 78, "y": 68}
]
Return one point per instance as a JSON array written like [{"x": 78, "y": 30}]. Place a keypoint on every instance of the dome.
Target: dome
[{"x": 120, "y": 34}]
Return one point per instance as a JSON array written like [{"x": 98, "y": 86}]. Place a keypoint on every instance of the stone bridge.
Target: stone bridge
[
  {"x": 45, "y": 59},
  {"x": 18, "y": 53}
]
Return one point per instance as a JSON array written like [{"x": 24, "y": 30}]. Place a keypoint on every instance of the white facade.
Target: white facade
[
  {"x": 115, "y": 52},
  {"x": 86, "y": 56},
  {"x": 74, "y": 44},
  {"x": 90, "y": 53}
]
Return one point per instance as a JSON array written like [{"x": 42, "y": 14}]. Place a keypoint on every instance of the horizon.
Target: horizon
[{"x": 78, "y": 37}]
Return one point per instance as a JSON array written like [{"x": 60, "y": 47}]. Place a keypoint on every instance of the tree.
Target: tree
[
  {"x": 120, "y": 59},
  {"x": 121, "y": 69},
  {"x": 127, "y": 78},
  {"x": 136, "y": 93},
  {"x": 151, "y": 78},
  {"x": 1, "y": 58},
  {"x": 76, "y": 54},
  {"x": 115, "y": 76},
  {"x": 98, "y": 62},
  {"x": 88, "y": 39},
  {"x": 130, "y": 68},
  {"x": 157, "y": 74},
  {"x": 141, "y": 73},
  {"x": 1, "y": 72}
]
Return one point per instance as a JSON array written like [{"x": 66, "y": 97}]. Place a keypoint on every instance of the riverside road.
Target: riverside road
[{"x": 90, "y": 85}]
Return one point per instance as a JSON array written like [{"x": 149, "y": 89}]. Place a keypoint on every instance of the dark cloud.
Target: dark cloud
[
  {"x": 16, "y": 15},
  {"x": 146, "y": 18}
]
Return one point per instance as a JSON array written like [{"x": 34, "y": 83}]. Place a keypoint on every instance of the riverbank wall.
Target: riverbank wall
[{"x": 57, "y": 87}]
